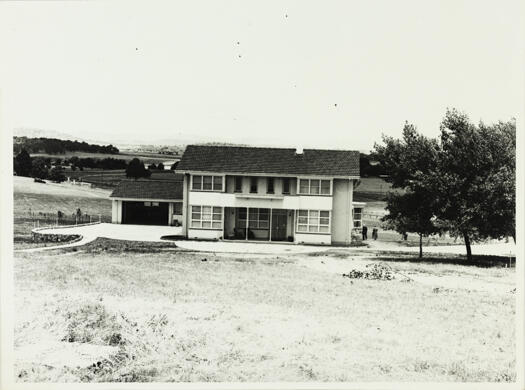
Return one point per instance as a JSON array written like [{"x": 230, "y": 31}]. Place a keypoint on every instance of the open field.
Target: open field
[
  {"x": 150, "y": 312},
  {"x": 147, "y": 158},
  {"x": 40, "y": 202},
  {"x": 111, "y": 178}
]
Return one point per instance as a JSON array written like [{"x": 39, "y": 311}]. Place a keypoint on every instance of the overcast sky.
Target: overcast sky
[{"x": 327, "y": 74}]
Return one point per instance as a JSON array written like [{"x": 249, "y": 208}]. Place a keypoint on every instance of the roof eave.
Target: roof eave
[{"x": 197, "y": 172}]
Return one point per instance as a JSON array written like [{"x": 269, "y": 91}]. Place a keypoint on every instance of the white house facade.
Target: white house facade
[{"x": 255, "y": 194}]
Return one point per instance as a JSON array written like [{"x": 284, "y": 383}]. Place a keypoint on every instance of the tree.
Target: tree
[
  {"x": 152, "y": 166},
  {"x": 136, "y": 169},
  {"x": 39, "y": 169},
  {"x": 57, "y": 174},
  {"x": 22, "y": 163},
  {"x": 174, "y": 165},
  {"x": 408, "y": 161},
  {"x": 474, "y": 180},
  {"x": 411, "y": 212},
  {"x": 160, "y": 166},
  {"x": 465, "y": 178}
]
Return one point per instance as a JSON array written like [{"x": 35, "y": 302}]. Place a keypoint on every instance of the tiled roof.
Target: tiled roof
[
  {"x": 148, "y": 189},
  {"x": 237, "y": 159}
]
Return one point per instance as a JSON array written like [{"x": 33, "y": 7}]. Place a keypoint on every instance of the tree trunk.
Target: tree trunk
[
  {"x": 467, "y": 244},
  {"x": 420, "y": 246}
]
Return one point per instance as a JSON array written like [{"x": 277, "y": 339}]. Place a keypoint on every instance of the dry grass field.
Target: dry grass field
[
  {"x": 145, "y": 157},
  {"x": 151, "y": 312},
  {"x": 35, "y": 201}
]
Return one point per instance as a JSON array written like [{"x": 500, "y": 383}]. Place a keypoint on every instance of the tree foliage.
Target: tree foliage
[
  {"x": 474, "y": 181},
  {"x": 22, "y": 163},
  {"x": 39, "y": 168},
  {"x": 136, "y": 169},
  {"x": 57, "y": 175},
  {"x": 464, "y": 180},
  {"x": 59, "y": 146},
  {"x": 408, "y": 160}
]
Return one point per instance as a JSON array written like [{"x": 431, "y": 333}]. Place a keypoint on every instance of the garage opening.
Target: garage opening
[{"x": 145, "y": 213}]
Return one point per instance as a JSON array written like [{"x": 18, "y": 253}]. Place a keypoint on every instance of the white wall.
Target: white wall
[
  {"x": 342, "y": 211},
  {"x": 116, "y": 211},
  {"x": 244, "y": 200},
  {"x": 205, "y": 234},
  {"x": 312, "y": 238}
]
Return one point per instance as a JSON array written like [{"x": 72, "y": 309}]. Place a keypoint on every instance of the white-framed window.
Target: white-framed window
[
  {"x": 150, "y": 204},
  {"x": 206, "y": 217},
  {"x": 313, "y": 221},
  {"x": 315, "y": 187},
  {"x": 357, "y": 216},
  {"x": 259, "y": 218},
  {"x": 206, "y": 183},
  {"x": 177, "y": 208}
]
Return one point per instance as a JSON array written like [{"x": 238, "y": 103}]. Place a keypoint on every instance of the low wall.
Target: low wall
[
  {"x": 38, "y": 236},
  {"x": 312, "y": 238}
]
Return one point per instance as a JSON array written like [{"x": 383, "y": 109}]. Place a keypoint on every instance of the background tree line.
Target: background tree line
[
  {"x": 462, "y": 182},
  {"x": 58, "y": 146}
]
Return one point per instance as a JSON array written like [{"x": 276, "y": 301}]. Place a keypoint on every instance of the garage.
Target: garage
[
  {"x": 148, "y": 202},
  {"x": 145, "y": 213}
]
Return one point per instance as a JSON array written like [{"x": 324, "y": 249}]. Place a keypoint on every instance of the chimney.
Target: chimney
[{"x": 299, "y": 150}]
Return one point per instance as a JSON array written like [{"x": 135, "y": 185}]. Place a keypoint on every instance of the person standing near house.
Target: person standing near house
[
  {"x": 364, "y": 232},
  {"x": 374, "y": 233}
]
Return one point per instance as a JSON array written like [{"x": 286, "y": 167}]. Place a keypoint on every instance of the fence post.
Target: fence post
[
  {"x": 76, "y": 219},
  {"x": 57, "y": 221},
  {"x": 89, "y": 218},
  {"x": 99, "y": 219}
]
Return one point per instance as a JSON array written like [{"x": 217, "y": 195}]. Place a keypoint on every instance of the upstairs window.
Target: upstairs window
[
  {"x": 206, "y": 183},
  {"x": 269, "y": 188},
  {"x": 314, "y": 187},
  {"x": 238, "y": 184},
  {"x": 253, "y": 185},
  {"x": 286, "y": 185}
]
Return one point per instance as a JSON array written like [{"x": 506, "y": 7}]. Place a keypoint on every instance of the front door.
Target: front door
[{"x": 279, "y": 222}]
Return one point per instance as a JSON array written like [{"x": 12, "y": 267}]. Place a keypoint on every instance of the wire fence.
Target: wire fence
[{"x": 40, "y": 219}]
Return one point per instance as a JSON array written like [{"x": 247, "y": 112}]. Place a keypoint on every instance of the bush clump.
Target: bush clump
[{"x": 374, "y": 272}]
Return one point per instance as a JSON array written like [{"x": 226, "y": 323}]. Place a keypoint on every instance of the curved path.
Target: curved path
[{"x": 108, "y": 230}]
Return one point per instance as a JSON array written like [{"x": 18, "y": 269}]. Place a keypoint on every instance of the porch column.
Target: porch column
[
  {"x": 170, "y": 213},
  {"x": 270, "y": 227},
  {"x": 247, "y": 221}
]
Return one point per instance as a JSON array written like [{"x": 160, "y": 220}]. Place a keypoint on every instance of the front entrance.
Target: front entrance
[
  {"x": 258, "y": 224},
  {"x": 279, "y": 224}
]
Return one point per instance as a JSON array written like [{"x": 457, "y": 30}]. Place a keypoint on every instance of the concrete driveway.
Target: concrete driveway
[{"x": 110, "y": 230}]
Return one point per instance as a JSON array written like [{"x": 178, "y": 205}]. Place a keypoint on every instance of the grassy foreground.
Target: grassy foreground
[{"x": 168, "y": 315}]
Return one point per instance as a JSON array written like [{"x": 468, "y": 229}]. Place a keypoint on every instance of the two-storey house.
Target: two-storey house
[{"x": 250, "y": 193}]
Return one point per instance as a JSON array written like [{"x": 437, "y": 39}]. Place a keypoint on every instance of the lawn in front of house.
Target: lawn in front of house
[{"x": 180, "y": 316}]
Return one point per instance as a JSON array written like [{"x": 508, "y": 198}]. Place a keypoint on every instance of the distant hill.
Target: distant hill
[
  {"x": 58, "y": 146},
  {"x": 43, "y": 133}
]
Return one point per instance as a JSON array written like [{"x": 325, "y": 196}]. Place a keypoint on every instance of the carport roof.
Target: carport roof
[{"x": 148, "y": 189}]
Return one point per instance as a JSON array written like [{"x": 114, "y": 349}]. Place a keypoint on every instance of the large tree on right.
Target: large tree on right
[
  {"x": 474, "y": 180},
  {"x": 467, "y": 178}
]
